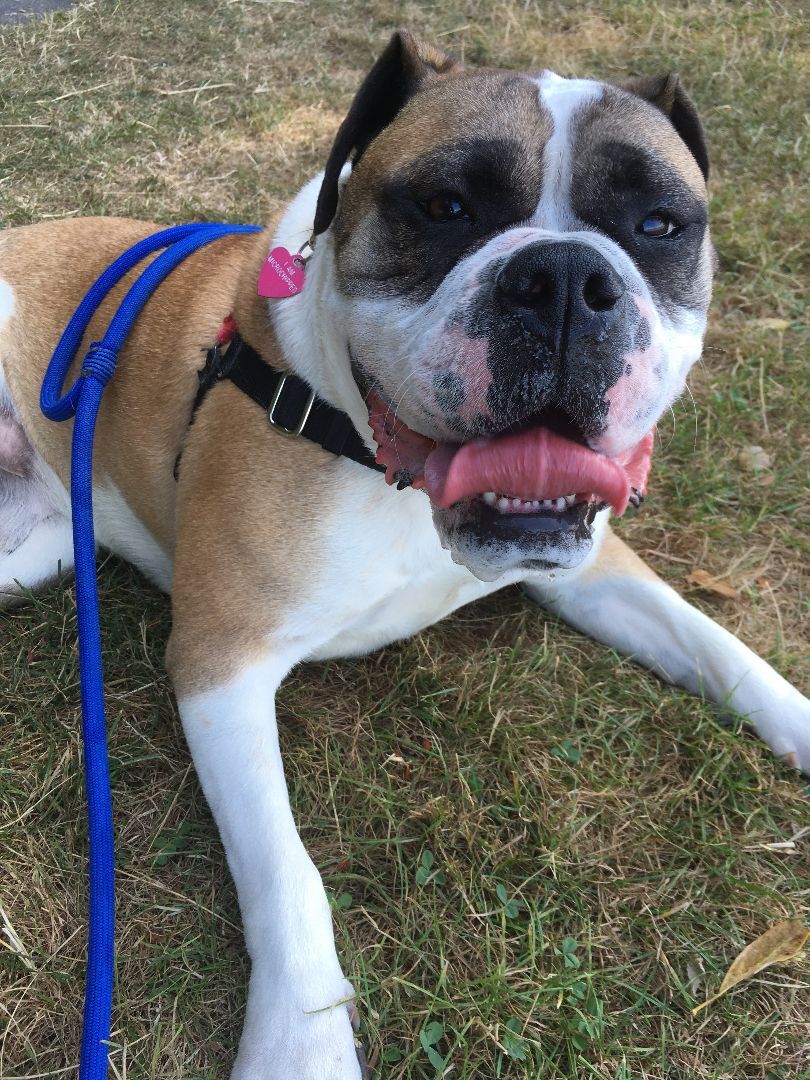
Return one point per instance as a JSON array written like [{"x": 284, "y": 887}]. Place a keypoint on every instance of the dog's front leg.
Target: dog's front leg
[
  {"x": 297, "y": 1025},
  {"x": 618, "y": 600}
]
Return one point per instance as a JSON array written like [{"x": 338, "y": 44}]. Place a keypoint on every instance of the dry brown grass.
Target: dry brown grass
[{"x": 651, "y": 850}]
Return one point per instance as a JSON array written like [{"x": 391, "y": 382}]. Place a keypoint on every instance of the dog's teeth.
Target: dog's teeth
[{"x": 515, "y": 504}]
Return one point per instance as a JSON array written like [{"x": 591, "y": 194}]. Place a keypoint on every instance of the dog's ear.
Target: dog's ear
[
  {"x": 397, "y": 75},
  {"x": 668, "y": 95}
]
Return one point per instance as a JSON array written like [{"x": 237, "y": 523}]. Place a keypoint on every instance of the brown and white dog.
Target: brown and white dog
[{"x": 508, "y": 288}]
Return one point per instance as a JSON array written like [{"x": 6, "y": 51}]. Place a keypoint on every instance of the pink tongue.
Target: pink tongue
[{"x": 533, "y": 464}]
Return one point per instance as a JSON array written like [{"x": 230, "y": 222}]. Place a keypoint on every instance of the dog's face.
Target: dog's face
[{"x": 523, "y": 268}]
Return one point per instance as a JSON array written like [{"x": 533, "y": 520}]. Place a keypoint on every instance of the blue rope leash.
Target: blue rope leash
[{"x": 82, "y": 401}]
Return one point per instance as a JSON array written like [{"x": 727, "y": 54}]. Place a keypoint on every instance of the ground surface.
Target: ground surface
[{"x": 533, "y": 848}]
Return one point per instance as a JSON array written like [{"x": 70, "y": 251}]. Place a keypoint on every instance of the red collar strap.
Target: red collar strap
[{"x": 226, "y": 331}]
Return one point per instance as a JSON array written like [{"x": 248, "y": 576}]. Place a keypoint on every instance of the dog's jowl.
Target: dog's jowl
[{"x": 508, "y": 286}]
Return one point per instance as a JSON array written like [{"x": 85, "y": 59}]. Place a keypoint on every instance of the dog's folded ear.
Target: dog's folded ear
[
  {"x": 668, "y": 95},
  {"x": 404, "y": 66}
]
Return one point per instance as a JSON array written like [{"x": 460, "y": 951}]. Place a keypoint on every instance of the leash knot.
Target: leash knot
[{"x": 100, "y": 362}]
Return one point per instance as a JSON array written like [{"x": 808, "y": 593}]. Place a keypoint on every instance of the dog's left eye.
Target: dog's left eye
[
  {"x": 446, "y": 207},
  {"x": 657, "y": 225}
]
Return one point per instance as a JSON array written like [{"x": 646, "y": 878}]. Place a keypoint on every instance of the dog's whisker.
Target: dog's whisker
[{"x": 694, "y": 410}]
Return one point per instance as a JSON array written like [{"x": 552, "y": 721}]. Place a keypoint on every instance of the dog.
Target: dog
[{"x": 508, "y": 283}]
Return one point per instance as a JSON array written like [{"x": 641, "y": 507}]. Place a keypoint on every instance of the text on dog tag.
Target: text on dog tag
[{"x": 282, "y": 274}]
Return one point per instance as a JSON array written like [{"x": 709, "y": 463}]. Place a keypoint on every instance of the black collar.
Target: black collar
[{"x": 291, "y": 405}]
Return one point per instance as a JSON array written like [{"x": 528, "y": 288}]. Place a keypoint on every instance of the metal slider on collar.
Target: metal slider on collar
[{"x": 302, "y": 421}]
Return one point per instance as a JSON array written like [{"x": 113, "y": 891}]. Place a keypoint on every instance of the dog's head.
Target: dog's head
[{"x": 522, "y": 269}]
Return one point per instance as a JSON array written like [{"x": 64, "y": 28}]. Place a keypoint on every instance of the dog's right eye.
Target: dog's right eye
[{"x": 446, "y": 206}]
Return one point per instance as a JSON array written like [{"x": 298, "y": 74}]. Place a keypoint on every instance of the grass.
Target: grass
[{"x": 533, "y": 848}]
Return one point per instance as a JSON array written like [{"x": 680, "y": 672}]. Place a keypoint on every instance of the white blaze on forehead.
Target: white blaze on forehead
[{"x": 562, "y": 99}]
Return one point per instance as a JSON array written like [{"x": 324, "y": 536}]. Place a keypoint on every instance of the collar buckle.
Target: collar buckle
[{"x": 302, "y": 420}]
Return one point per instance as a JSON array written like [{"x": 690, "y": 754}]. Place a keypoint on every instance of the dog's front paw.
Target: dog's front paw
[
  {"x": 786, "y": 730},
  {"x": 292, "y": 1042}
]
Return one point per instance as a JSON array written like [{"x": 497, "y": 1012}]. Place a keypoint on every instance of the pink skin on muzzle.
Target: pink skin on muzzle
[{"x": 632, "y": 398}]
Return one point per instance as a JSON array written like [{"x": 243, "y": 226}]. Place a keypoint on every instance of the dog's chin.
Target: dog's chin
[{"x": 491, "y": 543}]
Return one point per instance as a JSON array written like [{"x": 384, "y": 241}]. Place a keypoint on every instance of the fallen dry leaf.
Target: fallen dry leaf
[
  {"x": 703, "y": 580},
  {"x": 782, "y": 942},
  {"x": 772, "y": 324}
]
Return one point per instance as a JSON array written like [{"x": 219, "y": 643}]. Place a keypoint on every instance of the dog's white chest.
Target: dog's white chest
[
  {"x": 401, "y": 611},
  {"x": 390, "y": 576}
]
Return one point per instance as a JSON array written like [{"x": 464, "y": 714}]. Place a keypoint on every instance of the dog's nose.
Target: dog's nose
[{"x": 560, "y": 290}]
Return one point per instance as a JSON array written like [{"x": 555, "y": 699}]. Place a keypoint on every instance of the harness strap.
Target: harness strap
[{"x": 291, "y": 405}]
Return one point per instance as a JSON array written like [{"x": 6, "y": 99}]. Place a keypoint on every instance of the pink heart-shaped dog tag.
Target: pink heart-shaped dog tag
[{"x": 282, "y": 274}]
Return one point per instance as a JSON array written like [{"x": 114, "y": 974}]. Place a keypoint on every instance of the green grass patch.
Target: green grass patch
[{"x": 539, "y": 857}]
